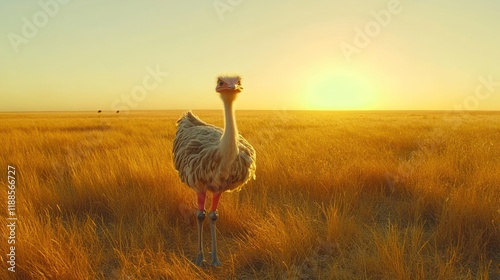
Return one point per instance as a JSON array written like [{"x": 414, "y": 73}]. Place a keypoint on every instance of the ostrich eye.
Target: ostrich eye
[{"x": 221, "y": 83}]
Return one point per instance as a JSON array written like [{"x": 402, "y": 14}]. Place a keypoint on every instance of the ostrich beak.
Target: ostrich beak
[{"x": 229, "y": 88}]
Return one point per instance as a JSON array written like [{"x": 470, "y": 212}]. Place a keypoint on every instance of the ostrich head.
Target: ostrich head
[{"x": 229, "y": 87}]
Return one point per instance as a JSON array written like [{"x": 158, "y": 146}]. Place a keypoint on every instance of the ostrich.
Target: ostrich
[
  {"x": 211, "y": 159},
  {"x": 99, "y": 111}
]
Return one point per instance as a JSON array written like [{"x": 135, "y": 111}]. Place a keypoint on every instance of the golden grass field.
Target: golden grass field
[{"x": 338, "y": 195}]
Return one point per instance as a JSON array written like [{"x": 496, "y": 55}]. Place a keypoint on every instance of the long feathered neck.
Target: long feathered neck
[{"x": 228, "y": 142}]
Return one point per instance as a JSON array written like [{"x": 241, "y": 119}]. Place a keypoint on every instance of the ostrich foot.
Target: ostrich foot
[
  {"x": 213, "y": 215},
  {"x": 216, "y": 262},
  {"x": 199, "y": 259}
]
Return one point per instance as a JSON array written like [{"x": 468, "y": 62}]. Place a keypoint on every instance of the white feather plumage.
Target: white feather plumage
[{"x": 204, "y": 164}]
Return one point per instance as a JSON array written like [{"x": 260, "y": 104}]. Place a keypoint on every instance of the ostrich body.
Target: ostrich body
[{"x": 211, "y": 159}]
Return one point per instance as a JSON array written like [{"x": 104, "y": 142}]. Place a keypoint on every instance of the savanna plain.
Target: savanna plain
[{"x": 337, "y": 195}]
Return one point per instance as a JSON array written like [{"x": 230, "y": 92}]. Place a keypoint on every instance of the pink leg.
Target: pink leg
[
  {"x": 215, "y": 201},
  {"x": 201, "y": 200}
]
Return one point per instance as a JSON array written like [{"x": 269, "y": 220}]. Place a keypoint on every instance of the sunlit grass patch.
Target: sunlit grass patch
[{"x": 338, "y": 195}]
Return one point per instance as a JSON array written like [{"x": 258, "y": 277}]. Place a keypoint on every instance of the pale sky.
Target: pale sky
[{"x": 63, "y": 55}]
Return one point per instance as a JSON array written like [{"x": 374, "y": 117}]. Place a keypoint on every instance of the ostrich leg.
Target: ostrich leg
[
  {"x": 200, "y": 217},
  {"x": 213, "y": 215}
]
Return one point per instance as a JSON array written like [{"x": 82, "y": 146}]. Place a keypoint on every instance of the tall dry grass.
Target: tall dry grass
[{"x": 355, "y": 195}]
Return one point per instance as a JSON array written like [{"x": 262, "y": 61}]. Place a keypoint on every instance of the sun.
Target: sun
[{"x": 338, "y": 90}]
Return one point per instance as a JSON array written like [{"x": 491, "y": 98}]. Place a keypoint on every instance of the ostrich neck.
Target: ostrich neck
[{"x": 228, "y": 143}]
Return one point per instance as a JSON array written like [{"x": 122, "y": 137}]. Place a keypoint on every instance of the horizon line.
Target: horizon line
[{"x": 301, "y": 110}]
